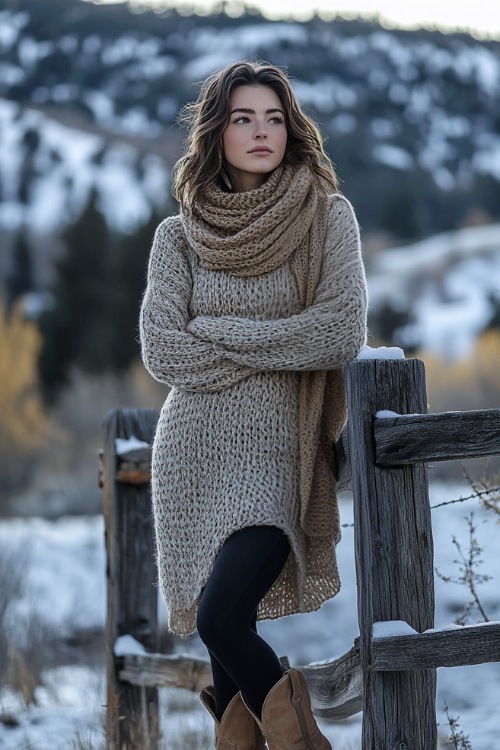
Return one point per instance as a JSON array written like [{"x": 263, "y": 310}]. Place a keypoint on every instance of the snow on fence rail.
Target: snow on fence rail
[{"x": 389, "y": 673}]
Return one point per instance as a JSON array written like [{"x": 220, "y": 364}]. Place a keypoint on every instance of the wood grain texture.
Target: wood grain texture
[
  {"x": 473, "y": 644},
  {"x": 411, "y": 438},
  {"x": 394, "y": 554},
  {"x": 335, "y": 687},
  {"x": 132, "y": 712}
]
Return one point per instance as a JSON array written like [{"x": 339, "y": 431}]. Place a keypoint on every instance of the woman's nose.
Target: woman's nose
[{"x": 260, "y": 131}]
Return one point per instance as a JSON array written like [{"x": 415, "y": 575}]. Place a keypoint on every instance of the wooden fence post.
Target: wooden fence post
[
  {"x": 132, "y": 711},
  {"x": 394, "y": 554}
]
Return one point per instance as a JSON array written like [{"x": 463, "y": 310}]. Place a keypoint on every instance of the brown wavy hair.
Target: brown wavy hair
[{"x": 202, "y": 164}]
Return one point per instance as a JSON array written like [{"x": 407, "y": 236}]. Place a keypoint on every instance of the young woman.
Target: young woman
[{"x": 256, "y": 299}]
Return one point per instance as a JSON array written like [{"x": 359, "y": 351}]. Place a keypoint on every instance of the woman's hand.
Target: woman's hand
[{"x": 188, "y": 327}]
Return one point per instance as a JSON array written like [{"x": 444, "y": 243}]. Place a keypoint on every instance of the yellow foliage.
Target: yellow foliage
[
  {"x": 24, "y": 425},
  {"x": 469, "y": 383}
]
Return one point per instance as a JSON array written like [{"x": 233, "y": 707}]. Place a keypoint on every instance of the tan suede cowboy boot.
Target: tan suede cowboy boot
[
  {"x": 287, "y": 721},
  {"x": 237, "y": 730}
]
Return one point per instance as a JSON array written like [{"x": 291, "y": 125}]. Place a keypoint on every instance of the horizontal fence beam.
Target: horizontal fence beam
[
  {"x": 166, "y": 670},
  {"x": 457, "y": 647},
  {"x": 336, "y": 686},
  {"x": 412, "y": 438}
]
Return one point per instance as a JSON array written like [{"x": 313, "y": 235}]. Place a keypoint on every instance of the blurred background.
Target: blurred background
[
  {"x": 89, "y": 99},
  {"x": 409, "y": 103}
]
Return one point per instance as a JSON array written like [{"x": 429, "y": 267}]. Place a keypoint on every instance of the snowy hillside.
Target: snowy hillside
[
  {"x": 89, "y": 96},
  {"x": 411, "y": 118},
  {"x": 446, "y": 289},
  {"x": 51, "y": 186}
]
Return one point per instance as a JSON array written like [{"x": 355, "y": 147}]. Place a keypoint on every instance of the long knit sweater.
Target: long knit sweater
[{"x": 225, "y": 453}]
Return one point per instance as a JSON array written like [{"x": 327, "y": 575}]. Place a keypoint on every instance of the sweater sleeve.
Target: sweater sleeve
[
  {"x": 326, "y": 335},
  {"x": 170, "y": 354}
]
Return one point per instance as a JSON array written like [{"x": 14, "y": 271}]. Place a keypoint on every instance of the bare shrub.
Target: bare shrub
[
  {"x": 457, "y": 739},
  {"x": 13, "y": 567},
  {"x": 24, "y": 424},
  {"x": 27, "y": 643},
  {"x": 83, "y": 741}
]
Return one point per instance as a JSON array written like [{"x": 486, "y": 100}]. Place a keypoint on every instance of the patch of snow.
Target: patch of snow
[
  {"x": 204, "y": 65},
  {"x": 438, "y": 249},
  {"x": 10, "y": 75},
  {"x": 152, "y": 68},
  {"x": 35, "y": 303},
  {"x": 132, "y": 443},
  {"x": 386, "y": 414},
  {"x": 390, "y": 628},
  {"x": 326, "y": 95},
  {"x": 101, "y": 106},
  {"x": 486, "y": 159},
  {"x": 31, "y": 52},
  {"x": 118, "y": 178},
  {"x": 344, "y": 123},
  {"x": 444, "y": 628},
  {"x": 92, "y": 44},
  {"x": 9, "y": 31},
  {"x": 381, "y": 127},
  {"x": 401, "y": 55},
  {"x": 129, "y": 47},
  {"x": 68, "y": 44},
  {"x": 127, "y": 645},
  {"x": 156, "y": 180},
  {"x": 393, "y": 156},
  {"x": 487, "y": 68},
  {"x": 136, "y": 120},
  {"x": 65, "y": 581},
  {"x": 399, "y": 93},
  {"x": 69, "y": 705},
  {"x": 381, "y": 352},
  {"x": 320, "y": 94},
  {"x": 64, "y": 92}
]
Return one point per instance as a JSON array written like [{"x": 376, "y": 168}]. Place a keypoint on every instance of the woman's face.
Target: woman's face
[{"x": 254, "y": 140}]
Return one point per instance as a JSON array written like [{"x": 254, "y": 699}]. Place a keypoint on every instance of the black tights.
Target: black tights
[{"x": 246, "y": 567}]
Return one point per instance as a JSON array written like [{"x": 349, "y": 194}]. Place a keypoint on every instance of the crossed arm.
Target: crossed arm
[{"x": 212, "y": 353}]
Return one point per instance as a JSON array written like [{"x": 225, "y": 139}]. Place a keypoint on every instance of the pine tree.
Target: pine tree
[
  {"x": 76, "y": 331},
  {"x": 129, "y": 269},
  {"x": 21, "y": 278}
]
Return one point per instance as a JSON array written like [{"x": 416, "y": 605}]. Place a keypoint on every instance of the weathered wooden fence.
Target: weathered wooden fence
[{"x": 392, "y": 679}]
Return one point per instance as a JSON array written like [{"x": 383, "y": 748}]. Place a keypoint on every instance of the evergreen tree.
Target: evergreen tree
[
  {"x": 399, "y": 215},
  {"x": 21, "y": 278},
  {"x": 131, "y": 255},
  {"x": 76, "y": 331}
]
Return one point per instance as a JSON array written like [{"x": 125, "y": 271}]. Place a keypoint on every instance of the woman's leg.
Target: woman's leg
[
  {"x": 223, "y": 685},
  {"x": 245, "y": 569}
]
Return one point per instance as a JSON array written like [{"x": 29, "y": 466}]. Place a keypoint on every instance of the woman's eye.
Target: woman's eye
[
  {"x": 241, "y": 118},
  {"x": 277, "y": 120}
]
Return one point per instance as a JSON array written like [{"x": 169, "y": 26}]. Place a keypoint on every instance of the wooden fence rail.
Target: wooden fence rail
[{"x": 392, "y": 678}]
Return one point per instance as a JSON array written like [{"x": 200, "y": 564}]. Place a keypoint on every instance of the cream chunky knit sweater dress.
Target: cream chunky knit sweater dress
[{"x": 226, "y": 450}]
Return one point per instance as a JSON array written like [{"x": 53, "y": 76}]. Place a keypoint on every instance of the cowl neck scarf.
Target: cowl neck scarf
[
  {"x": 254, "y": 232},
  {"x": 250, "y": 233}
]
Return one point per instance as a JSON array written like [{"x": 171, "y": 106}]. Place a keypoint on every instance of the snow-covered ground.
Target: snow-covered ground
[
  {"x": 65, "y": 585},
  {"x": 448, "y": 284}
]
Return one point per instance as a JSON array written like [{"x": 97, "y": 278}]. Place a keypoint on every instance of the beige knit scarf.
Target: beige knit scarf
[{"x": 254, "y": 232}]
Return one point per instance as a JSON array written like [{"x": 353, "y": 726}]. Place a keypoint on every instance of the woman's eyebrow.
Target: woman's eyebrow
[{"x": 248, "y": 111}]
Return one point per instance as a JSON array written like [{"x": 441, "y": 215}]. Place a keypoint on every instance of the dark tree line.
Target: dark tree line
[
  {"x": 98, "y": 286},
  {"x": 406, "y": 202}
]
